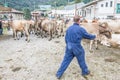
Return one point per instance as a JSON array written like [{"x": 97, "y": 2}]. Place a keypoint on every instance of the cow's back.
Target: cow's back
[{"x": 91, "y": 27}]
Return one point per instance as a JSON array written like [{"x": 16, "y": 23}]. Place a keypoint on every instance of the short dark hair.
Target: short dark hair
[{"x": 76, "y": 18}]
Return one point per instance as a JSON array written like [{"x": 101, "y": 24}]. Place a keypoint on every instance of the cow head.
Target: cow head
[
  {"x": 103, "y": 25},
  {"x": 107, "y": 34},
  {"x": 105, "y": 30}
]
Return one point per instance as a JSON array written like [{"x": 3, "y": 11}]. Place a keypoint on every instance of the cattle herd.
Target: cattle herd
[{"x": 54, "y": 28}]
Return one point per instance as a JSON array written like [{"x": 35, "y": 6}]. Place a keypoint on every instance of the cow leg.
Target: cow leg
[
  {"x": 58, "y": 34},
  {"x": 26, "y": 28},
  {"x": 22, "y": 34},
  {"x": 44, "y": 34},
  {"x": 36, "y": 32},
  {"x": 62, "y": 34},
  {"x": 53, "y": 34},
  {"x": 17, "y": 35},
  {"x": 27, "y": 36},
  {"x": 96, "y": 45},
  {"x": 14, "y": 34},
  {"x": 50, "y": 36},
  {"x": 39, "y": 33},
  {"x": 91, "y": 44}
]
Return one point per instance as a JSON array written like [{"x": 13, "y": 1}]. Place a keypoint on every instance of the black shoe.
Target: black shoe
[
  {"x": 87, "y": 76},
  {"x": 58, "y": 77}
]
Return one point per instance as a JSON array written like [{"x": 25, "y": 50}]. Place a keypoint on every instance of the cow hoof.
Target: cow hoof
[
  {"x": 49, "y": 39},
  {"x": 38, "y": 37},
  {"x": 109, "y": 46},
  {"x": 91, "y": 51},
  {"x": 97, "y": 48},
  {"x": 28, "y": 41}
]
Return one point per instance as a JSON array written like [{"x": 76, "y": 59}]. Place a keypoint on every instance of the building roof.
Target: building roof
[
  {"x": 16, "y": 11},
  {"x": 71, "y": 7},
  {"x": 35, "y": 12},
  {"x": 90, "y": 3},
  {"x": 10, "y": 10},
  {"x": 2, "y": 8}
]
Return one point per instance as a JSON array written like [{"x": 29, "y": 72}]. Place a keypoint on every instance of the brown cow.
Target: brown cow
[
  {"x": 93, "y": 28},
  {"x": 48, "y": 28},
  {"x": 31, "y": 27},
  {"x": 60, "y": 28},
  {"x": 20, "y": 25},
  {"x": 38, "y": 27}
]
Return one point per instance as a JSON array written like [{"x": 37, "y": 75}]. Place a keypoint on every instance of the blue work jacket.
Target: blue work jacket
[{"x": 76, "y": 33}]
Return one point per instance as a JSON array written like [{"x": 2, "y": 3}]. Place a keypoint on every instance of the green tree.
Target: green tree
[
  {"x": 87, "y": 1},
  {"x": 27, "y": 14},
  {"x": 78, "y": 1}
]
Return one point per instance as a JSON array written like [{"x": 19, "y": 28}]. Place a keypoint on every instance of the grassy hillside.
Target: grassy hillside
[{"x": 33, "y": 4}]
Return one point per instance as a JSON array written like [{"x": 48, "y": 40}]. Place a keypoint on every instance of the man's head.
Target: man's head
[{"x": 76, "y": 19}]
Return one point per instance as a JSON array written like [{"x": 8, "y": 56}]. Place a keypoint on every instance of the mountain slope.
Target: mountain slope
[{"x": 32, "y": 4}]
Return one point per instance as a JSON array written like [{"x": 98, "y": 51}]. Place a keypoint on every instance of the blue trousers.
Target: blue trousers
[
  {"x": 73, "y": 50},
  {"x": 1, "y": 31}
]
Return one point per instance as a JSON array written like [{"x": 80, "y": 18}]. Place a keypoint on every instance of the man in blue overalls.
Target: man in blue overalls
[{"x": 74, "y": 35}]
